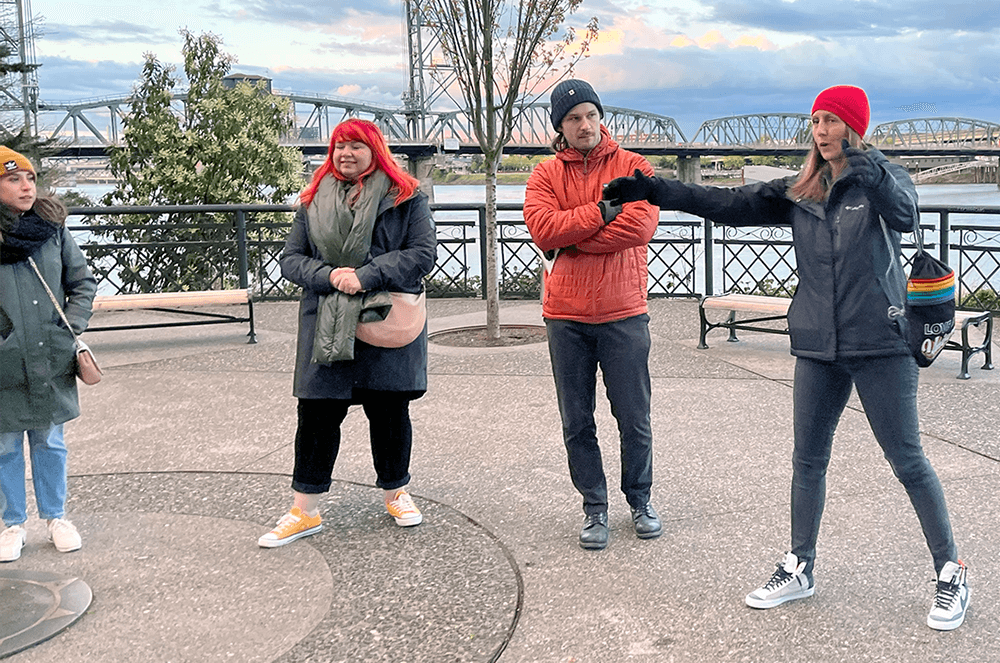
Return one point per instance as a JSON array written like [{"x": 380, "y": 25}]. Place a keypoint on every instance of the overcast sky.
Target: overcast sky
[{"x": 691, "y": 60}]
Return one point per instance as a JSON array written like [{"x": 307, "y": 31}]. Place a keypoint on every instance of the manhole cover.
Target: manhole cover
[{"x": 34, "y": 606}]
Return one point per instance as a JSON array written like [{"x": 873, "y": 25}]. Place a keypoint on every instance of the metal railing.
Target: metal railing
[{"x": 203, "y": 247}]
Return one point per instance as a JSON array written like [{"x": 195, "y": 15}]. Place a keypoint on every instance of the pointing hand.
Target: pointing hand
[{"x": 628, "y": 189}]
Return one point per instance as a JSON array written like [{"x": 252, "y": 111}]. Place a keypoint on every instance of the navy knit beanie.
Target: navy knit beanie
[{"x": 569, "y": 93}]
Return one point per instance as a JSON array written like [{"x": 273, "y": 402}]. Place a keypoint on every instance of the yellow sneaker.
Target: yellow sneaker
[
  {"x": 403, "y": 509},
  {"x": 293, "y": 525}
]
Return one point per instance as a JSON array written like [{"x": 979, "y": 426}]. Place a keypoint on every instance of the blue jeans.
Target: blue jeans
[
  {"x": 48, "y": 473},
  {"x": 887, "y": 387},
  {"x": 621, "y": 349}
]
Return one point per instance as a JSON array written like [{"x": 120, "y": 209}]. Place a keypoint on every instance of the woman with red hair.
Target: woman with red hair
[{"x": 362, "y": 230}]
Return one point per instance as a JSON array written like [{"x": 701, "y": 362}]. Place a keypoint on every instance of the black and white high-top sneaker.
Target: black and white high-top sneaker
[
  {"x": 787, "y": 583},
  {"x": 951, "y": 600}
]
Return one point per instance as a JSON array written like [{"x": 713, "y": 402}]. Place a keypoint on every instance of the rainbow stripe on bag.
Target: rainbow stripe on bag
[{"x": 927, "y": 292}]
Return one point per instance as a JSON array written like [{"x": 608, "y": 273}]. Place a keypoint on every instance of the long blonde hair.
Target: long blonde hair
[{"x": 817, "y": 174}]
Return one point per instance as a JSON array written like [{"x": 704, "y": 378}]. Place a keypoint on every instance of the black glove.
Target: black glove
[
  {"x": 609, "y": 211},
  {"x": 863, "y": 171},
  {"x": 628, "y": 189}
]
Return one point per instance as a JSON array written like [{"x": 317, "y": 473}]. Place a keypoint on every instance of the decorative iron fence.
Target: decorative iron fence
[{"x": 203, "y": 247}]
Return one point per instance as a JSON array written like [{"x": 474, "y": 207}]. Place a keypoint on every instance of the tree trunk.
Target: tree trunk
[{"x": 492, "y": 284}]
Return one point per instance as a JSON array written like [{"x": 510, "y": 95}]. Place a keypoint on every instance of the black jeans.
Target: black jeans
[
  {"x": 621, "y": 349},
  {"x": 317, "y": 439},
  {"x": 887, "y": 387}
]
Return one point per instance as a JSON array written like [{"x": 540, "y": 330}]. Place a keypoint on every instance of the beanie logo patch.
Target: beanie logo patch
[
  {"x": 571, "y": 92},
  {"x": 8, "y": 166}
]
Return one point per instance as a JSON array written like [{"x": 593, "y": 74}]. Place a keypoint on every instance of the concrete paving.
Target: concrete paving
[{"x": 183, "y": 455}]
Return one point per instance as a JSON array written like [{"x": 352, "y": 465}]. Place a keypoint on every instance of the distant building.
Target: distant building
[{"x": 229, "y": 82}]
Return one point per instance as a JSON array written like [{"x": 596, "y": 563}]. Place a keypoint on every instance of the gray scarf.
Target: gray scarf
[{"x": 341, "y": 217}]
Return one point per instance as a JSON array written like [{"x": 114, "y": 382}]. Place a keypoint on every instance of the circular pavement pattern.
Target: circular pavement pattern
[
  {"x": 34, "y": 606},
  {"x": 177, "y": 575}
]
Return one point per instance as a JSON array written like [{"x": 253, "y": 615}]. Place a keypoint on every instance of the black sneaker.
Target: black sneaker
[
  {"x": 787, "y": 583},
  {"x": 951, "y": 600}
]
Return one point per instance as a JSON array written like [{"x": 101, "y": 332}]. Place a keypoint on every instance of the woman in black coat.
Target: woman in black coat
[
  {"x": 843, "y": 329},
  {"x": 363, "y": 229}
]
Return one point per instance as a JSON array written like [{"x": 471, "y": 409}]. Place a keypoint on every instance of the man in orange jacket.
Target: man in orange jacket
[{"x": 595, "y": 303}]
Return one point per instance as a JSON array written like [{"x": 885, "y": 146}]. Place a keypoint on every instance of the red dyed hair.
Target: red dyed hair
[{"x": 369, "y": 134}]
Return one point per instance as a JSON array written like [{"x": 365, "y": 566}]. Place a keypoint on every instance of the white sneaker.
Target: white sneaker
[
  {"x": 787, "y": 583},
  {"x": 64, "y": 535},
  {"x": 951, "y": 600},
  {"x": 12, "y": 540}
]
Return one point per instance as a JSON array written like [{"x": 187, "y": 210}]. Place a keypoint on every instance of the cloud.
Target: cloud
[
  {"x": 856, "y": 17},
  {"x": 65, "y": 80},
  {"x": 953, "y": 73},
  {"x": 384, "y": 89},
  {"x": 100, "y": 32},
  {"x": 304, "y": 13},
  {"x": 759, "y": 41}
]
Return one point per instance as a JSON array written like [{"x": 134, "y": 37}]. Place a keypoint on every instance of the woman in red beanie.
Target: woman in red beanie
[
  {"x": 842, "y": 333},
  {"x": 363, "y": 228}
]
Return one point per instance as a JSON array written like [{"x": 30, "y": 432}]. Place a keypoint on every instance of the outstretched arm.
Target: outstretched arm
[{"x": 761, "y": 204}]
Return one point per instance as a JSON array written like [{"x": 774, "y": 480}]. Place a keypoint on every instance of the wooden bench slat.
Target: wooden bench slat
[
  {"x": 749, "y": 303},
  {"x": 168, "y": 299},
  {"x": 177, "y": 302}
]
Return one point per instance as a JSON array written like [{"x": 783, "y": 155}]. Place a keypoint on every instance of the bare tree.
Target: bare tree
[{"x": 504, "y": 55}]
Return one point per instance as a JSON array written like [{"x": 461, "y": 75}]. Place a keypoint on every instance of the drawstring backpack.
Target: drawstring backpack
[{"x": 927, "y": 318}]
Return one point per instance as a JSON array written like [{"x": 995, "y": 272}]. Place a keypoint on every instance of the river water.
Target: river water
[{"x": 930, "y": 194}]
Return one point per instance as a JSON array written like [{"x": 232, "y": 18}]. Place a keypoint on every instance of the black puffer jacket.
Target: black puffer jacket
[{"x": 840, "y": 308}]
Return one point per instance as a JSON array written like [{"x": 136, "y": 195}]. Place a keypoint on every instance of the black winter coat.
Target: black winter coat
[
  {"x": 840, "y": 307},
  {"x": 403, "y": 251}
]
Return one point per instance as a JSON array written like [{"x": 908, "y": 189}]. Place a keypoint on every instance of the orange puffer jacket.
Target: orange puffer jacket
[{"x": 600, "y": 273}]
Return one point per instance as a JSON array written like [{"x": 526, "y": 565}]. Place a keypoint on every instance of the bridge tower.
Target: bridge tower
[
  {"x": 18, "y": 87},
  {"x": 430, "y": 71},
  {"x": 430, "y": 76}
]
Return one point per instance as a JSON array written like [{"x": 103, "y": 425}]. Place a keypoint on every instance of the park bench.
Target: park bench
[
  {"x": 768, "y": 315},
  {"x": 179, "y": 303}
]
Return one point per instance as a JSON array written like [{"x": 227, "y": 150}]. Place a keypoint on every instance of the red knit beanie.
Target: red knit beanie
[{"x": 847, "y": 102}]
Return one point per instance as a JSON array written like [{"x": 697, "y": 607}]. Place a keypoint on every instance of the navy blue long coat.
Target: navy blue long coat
[{"x": 403, "y": 252}]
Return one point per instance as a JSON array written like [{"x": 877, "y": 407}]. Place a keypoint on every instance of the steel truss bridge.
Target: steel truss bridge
[{"x": 88, "y": 127}]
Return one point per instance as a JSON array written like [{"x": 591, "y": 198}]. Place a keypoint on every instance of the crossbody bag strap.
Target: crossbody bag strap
[
  {"x": 897, "y": 307},
  {"x": 55, "y": 303}
]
